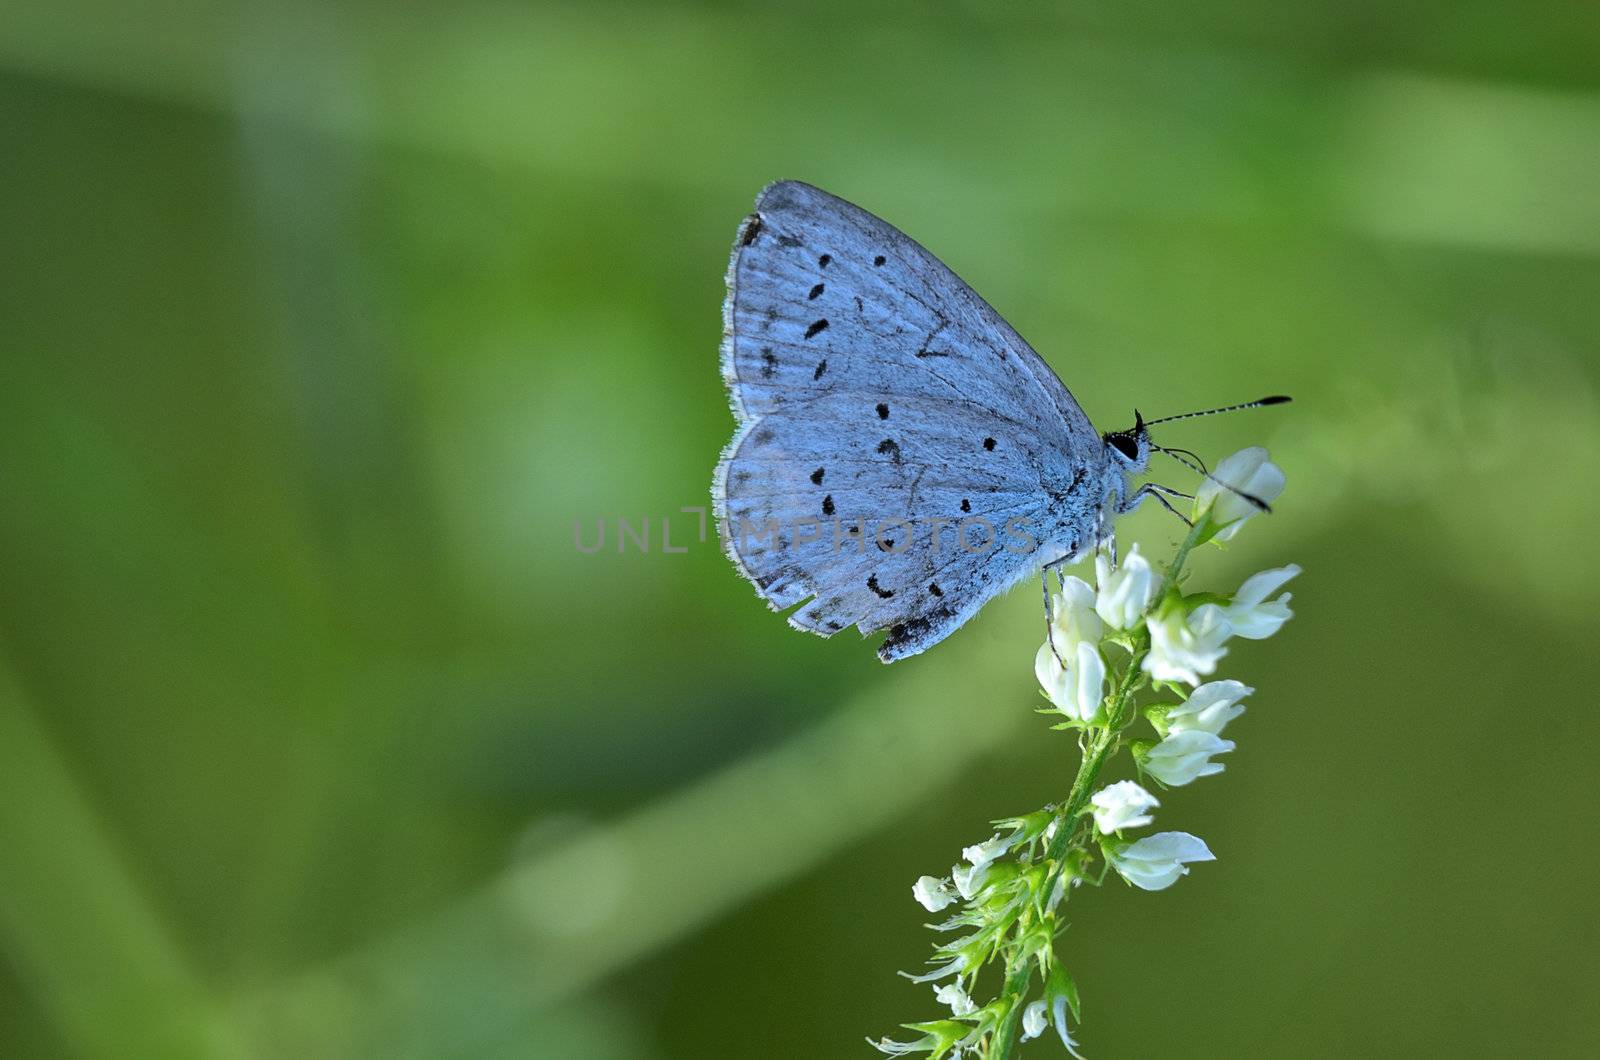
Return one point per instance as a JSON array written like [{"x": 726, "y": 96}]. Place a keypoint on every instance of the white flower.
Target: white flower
[
  {"x": 1126, "y": 592},
  {"x": 1155, "y": 862},
  {"x": 1248, "y": 471},
  {"x": 981, "y": 854},
  {"x": 969, "y": 878},
  {"x": 1077, "y": 690},
  {"x": 1249, "y": 616},
  {"x": 961, "y": 1004},
  {"x": 1073, "y": 616},
  {"x": 1121, "y": 805},
  {"x": 1183, "y": 649},
  {"x": 1209, "y": 708},
  {"x": 1033, "y": 1021},
  {"x": 1183, "y": 756},
  {"x": 933, "y": 893},
  {"x": 1059, "y": 1013}
]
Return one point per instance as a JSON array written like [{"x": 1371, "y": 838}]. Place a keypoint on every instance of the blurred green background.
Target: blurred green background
[{"x": 321, "y": 324}]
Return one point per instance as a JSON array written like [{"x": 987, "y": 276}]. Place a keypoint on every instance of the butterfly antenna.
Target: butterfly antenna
[
  {"x": 1250, "y": 497},
  {"x": 1190, "y": 453},
  {"x": 1274, "y": 399}
]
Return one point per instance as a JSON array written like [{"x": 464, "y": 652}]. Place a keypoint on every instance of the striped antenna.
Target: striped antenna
[{"x": 1274, "y": 399}]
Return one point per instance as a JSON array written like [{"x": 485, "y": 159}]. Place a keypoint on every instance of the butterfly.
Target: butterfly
[{"x": 902, "y": 455}]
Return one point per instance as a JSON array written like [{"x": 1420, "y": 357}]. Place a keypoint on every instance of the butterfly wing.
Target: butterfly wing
[{"x": 877, "y": 392}]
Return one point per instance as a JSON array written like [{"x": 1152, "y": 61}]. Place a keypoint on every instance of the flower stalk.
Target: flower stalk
[{"x": 1109, "y": 645}]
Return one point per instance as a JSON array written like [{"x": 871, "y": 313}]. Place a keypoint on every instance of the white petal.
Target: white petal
[
  {"x": 1185, "y": 756},
  {"x": 1176, "y": 846},
  {"x": 952, "y": 968},
  {"x": 1090, "y": 685},
  {"x": 1258, "y": 587},
  {"x": 1060, "y": 1014}
]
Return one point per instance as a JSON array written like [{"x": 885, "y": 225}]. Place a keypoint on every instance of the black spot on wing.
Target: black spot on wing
[
  {"x": 816, "y": 476},
  {"x": 883, "y": 411},
  {"x": 988, "y": 445},
  {"x": 822, "y": 262},
  {"x": 933, "y": 587},
  {"x": 966, "y": 505},
  {"x": 872, "y": 583},
  {"x": 816, "y": 328},
  {"x": 912, "y": 629},
  {"x": 879, "y": 260},
  {"x": 815, "y": 292},
  {"x": 769, "y": 362},
  {"x": 890, "y": 448},
  {"x": 827, "y": 505}
]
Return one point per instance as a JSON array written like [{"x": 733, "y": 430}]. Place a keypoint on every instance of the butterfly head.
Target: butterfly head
[{"x": 1129, "y": 450}]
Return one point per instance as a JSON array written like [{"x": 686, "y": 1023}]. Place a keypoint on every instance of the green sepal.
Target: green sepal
[
  {"x": 945, "y": 1035},
  {"x": 1031, "y": 825},
  {"x": 1209, "y": 529},
  {"x": 1156, "y": 715},
  {"x": 1060, "y": 984},
  {"x": 1194, "y": 600}
]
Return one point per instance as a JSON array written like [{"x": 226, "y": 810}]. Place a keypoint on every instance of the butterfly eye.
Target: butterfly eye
[{"x": 1125, "y": 445}]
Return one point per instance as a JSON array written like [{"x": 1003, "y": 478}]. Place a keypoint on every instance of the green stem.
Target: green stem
[
  {"x": 1103, "y": 743},
  {"x": 1176, "y": 566}
]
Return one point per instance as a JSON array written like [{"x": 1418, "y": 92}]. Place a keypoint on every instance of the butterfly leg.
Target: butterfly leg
[
  {"x": 1049, "y": 609},
  {"x": 1108, "y": 538},
  {"x": 1049, "y": 614},
  {"x": 1160, "y": 493}
]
